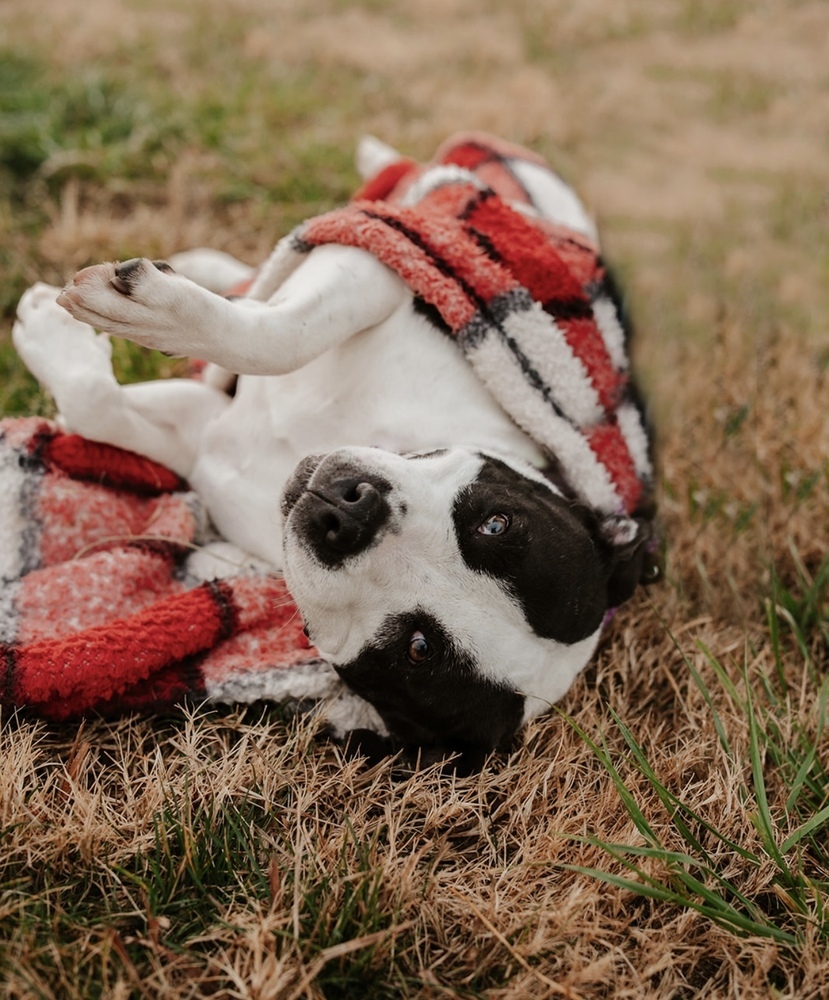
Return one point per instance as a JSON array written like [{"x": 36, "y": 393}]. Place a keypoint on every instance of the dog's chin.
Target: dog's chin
[{"x": 298, "y": 482}]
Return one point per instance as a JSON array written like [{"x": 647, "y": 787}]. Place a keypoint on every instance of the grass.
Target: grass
[
  {"x": 663, "y": 834},
  {"x": 117, "y": 136},
  {"x": 706, "y": 873}
]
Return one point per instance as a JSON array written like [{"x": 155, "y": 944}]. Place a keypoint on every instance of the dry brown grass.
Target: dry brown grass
[{"x": 232, "y": 855}]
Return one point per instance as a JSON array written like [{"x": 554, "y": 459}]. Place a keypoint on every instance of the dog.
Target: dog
[{"x": 372, "y": 424}]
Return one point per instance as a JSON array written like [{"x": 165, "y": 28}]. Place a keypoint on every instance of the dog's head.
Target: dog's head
[{"x": 459, "y": 593}]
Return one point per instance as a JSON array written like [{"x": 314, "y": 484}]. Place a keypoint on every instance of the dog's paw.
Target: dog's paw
[
  {"x": 56, "y": 348},
  {"x": 38, "y": 301},
  {"x": 138, "y": 299}
]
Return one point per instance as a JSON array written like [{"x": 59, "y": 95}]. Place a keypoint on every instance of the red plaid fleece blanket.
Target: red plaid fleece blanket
[
  {"x": 102, "y": 607},
  {"x": 106, "y": 602}
]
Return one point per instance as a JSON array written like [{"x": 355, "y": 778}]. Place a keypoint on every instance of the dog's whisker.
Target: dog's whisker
[{"x": 173, "y": 542}]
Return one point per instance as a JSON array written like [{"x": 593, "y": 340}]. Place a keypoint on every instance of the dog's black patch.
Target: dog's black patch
[
  {"x": 440, "y": 699},
  {"x": 551, "y": 557}
]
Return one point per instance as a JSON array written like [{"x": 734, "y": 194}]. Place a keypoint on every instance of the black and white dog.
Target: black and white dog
[{"x": 438, "y": 556}]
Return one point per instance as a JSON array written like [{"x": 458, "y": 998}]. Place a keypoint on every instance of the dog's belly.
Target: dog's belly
[{"x": 402, "y": 386}]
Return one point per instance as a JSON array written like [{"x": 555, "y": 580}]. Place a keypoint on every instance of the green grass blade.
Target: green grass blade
[
  {"x": 732, "y": 920},
  {"x": 677, "y": 858},
  {"x": 627, "y": 798},
  {"x": 674, "y": 805},
  {"x": 724, "y": 679},
  {"x": 802, "y": 831},
  {"x": 809, "y": 760},
  {"x": 715, "y": 716},
  {"x": 763, "y": 818},
  {"x": 645, "y": 767},
  {"x": 641, "y": 850},
  {"x": 722, "y": 675},
  {"x": 799, "y": 780}
]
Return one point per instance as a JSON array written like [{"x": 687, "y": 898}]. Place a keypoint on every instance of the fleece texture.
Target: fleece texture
[
  {"x": 103, "y": 607},
  {"x": 116, "y": 595}
]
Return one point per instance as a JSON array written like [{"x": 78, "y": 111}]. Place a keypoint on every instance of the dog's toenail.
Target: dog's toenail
[{"x": 163, "y": 266}]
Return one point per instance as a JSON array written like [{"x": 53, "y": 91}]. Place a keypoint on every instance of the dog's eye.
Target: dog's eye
[
  {"x": 419, "y": 649},
  {"x": 497, "y": 524}
]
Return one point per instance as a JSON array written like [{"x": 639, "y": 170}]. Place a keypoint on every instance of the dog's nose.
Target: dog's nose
[{"x": 342, "y": 515}]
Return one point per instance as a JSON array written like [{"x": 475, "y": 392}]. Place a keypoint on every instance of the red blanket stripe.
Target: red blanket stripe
[
  {"x": 101, "y": 662},
  {"x": 452, "y": 251},
  {"x": 609, "y": 446},
  {"x": 103, "y": 463},
  {"x": 526, "y": 251},
  {"x": 537, "y": 265},
  {"x": 488, "y": 159},
  {"x": 472, "y": 149},
  {"x": 382, "y": 185},
  {"x": 171, "y": 685}
]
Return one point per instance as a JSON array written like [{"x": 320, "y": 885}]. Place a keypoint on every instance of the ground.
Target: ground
[{"x": 232, "y": 855}]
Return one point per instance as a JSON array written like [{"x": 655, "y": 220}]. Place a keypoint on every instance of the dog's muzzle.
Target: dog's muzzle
[{"x": 338, "y": 512}]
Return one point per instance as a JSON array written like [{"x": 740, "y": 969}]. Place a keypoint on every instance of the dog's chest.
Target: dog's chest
[{"x": 402, "y": 386}]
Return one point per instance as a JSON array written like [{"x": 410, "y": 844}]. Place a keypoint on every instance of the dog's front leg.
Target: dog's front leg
[{"x": 335, "y": 293}]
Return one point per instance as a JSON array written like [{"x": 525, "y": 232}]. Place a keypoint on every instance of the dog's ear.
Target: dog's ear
[{"x": 632, "y": 559}]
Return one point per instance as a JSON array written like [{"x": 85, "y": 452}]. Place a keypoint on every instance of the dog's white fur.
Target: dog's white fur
[{"x": 336, "y": 359}]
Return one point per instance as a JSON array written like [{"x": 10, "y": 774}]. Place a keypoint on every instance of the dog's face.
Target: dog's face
[{"x": 458, "y": 593}]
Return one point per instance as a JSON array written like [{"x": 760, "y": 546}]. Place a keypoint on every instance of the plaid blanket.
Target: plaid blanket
[
  {"x": 115, "y": 593},
  {"x": 104, "y": 604}
]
